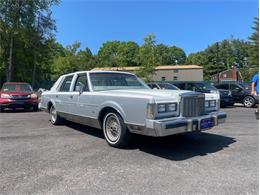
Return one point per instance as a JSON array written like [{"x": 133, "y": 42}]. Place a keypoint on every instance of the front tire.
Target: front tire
[
  {"x": 115, "y": 130},
  {"x": 54, "y": 117},
  {"x": 249, "y": 101}
]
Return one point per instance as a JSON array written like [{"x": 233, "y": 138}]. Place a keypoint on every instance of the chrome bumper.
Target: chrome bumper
[{"x": 166, "y": 127}]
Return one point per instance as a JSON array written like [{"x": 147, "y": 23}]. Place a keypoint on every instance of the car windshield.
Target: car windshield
[
  {"x": 21, "y": 87},
  {"x": 204, "y": 86},
  {"x": 113, "y": 81}
]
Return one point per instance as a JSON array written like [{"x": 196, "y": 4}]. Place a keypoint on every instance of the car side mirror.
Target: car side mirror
[{"x": 81, "y": 90}]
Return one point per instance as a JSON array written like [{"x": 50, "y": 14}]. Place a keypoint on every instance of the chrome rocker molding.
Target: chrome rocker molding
[{"x": 92, "y": 122}]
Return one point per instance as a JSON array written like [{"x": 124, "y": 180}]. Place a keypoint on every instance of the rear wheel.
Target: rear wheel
[
  {"x": 1, "y": 109},
  {"x": 115, "y": 130},
  {"x": 55, "y": 118},
  {"x": 249, "y": 101}
]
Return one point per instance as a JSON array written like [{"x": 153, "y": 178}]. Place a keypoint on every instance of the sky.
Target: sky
[{"x": 189, "y": 24}]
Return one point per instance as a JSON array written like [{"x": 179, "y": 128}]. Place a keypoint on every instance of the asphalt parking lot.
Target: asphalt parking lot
[{"x": 37, "y": 157}]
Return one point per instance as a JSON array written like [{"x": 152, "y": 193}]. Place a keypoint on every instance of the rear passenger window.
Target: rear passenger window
[{"x": 65, "y": 86}]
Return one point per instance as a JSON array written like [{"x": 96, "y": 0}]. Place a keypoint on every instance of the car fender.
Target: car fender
[{"x": 113, "y": 105}]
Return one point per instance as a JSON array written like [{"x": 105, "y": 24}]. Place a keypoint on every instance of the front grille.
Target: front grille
[
  {"x": 20, "y": 97},
  {"x": 193, "y": 105}
]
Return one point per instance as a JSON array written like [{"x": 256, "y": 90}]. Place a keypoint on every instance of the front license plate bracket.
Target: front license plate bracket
[{"x": 206, "y": 123}]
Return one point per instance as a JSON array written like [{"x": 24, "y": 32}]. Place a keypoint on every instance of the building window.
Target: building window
[
  {"x": 175, "y": 78},
  {"x": 175, "y": 71},
  {"x": 163, "y": 78}
]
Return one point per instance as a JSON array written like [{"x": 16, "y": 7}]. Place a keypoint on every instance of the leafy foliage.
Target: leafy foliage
[
  {"x": 231, "y": 53},
  {"x": 221, "y": 56},
  {"x": 147, "y": 57},
  {"x": 254, "y": 48},
  {"x": 116, "y": 53},
  {"x": 169, "y": 55},
  {"x": 26, "y": 27},
  {"x": 71, "y": 59}
]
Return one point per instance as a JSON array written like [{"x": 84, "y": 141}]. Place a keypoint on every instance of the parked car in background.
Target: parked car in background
[
  {"x": 155, "y": 85},
  {"x": 18, "y": 95},
  {"x": 240, "y": 94},
  {"x": 226, "y": 98},
  {"x": 121, "y": 104}
]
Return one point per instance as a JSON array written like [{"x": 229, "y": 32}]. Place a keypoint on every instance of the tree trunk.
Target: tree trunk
[
  {"x": 34, "y": 53},
  {"x": 9, "y": 70},
  {"x": 34, "y": 68}
]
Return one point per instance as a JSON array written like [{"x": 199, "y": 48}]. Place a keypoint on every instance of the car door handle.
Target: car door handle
[
  {"x": 57, "y": 96},
  {"x": 71, "y": 96}
]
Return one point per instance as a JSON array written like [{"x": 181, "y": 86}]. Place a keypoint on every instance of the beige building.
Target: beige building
[{"x": 167, "y": 73}]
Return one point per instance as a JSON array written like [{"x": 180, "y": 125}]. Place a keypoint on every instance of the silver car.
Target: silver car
[{"x": 122, "y": 104}]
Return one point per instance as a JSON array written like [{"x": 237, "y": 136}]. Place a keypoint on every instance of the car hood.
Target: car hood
[
  {"x": 157, "y": 95},
  {"x": 15, "y": 93}
]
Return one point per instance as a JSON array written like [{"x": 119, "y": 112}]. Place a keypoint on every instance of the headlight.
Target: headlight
[
  {"x": 214, "y": 91},
  {"x": 33, "y": 96},
  {"x": 229, "y": 93},
  {"x": 168, "y": 107},
  {"x": 212, "y": 103},
  {"x": 161, "y": 108},
  {"x": 4, "y": 95},
  {"x": 171, "y": 107},
  {"x": 150, "y": 112}
]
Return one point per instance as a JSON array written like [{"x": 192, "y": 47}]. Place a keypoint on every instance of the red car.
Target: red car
[{"x": 18, "y": 95}]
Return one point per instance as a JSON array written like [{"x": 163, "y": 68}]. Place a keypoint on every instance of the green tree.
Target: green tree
[
  {"x": 147, "y": 57},
  {"x": 108, "y": 54},
  {"x": 86, "y": 60},
  {"x": 177, "y": 55},
  {"x": 24, "y": 27},
  {"x": 221, "y": 56},
  {"x": 254, "y": 49},
  {"x": 118, "y": 54},
  {"x": 128, "y": 54},
  {"x": 199, "y": 58},
  {"x": 169, "y": 55},
  {"x": 162, "y": 54},
  {"x": 71, "y": 59}
]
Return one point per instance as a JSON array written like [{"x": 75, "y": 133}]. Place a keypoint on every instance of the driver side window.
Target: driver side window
[{"x": 81, "y": 83}]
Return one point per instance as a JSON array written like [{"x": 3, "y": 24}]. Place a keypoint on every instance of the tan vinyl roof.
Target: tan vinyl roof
[{"x": 133, "y": 68}]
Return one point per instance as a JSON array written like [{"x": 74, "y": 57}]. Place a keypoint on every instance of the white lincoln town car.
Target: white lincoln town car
[{"x": 122, "y": 104}]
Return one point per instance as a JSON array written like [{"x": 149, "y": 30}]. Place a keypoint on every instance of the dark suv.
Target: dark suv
[
  {"x": 240, "y": 94},
  {"x": 226, "y": 98},
  {"x": 155, "y": 85}
]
